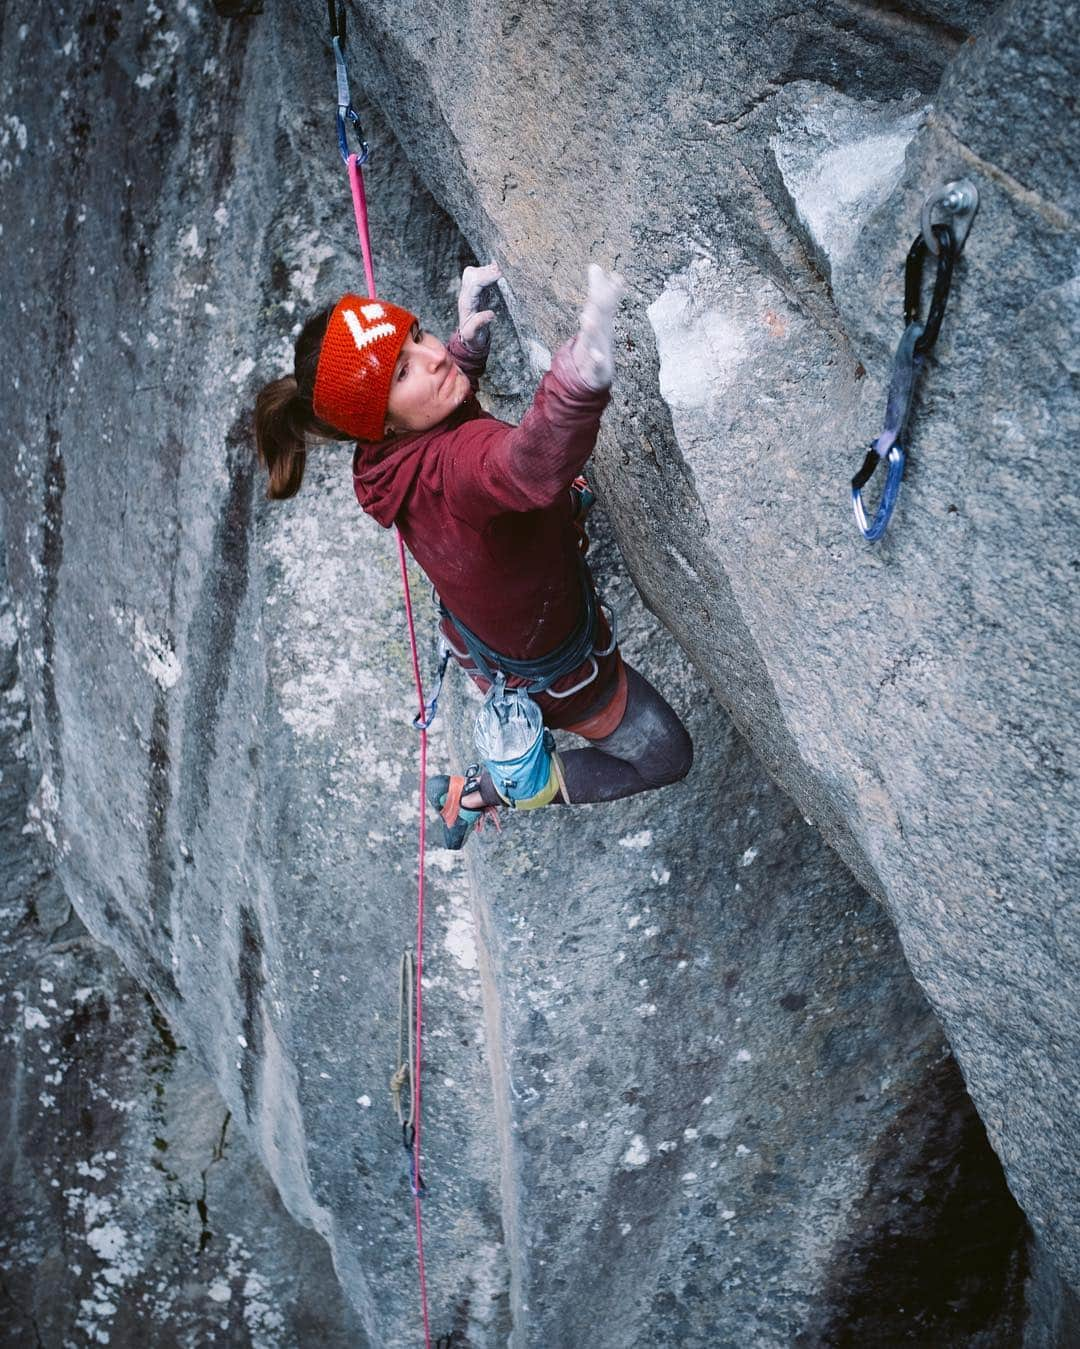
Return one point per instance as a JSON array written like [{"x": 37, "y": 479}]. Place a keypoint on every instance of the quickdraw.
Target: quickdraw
[
  {"x": 346, "y": 113},
  {"x": 422, "y": 721},
  {"x": 416, "y": 1181},
  {"x": 943, "y": 242}
]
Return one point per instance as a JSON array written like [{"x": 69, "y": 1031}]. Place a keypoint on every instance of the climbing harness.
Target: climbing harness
[
  {"x": 515, "y": 746},
  {"x": 517, "y": 749},
  {"x": 575, "y": 650},
  {"x": 943, "y": 242},
  {"x": 347, "y": 115}
]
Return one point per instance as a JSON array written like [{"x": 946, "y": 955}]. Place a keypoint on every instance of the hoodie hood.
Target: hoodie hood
[{"x": 384, "y": 470}]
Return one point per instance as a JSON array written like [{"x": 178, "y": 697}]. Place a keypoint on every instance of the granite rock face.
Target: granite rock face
[
  {"x": 134, "y": 1211},
  {"x": 944, "y": 654},
  {"x": 913, "y": 698},
  {"x": 722, "y": 1086},
  {"x": 672, "y": 1039}
]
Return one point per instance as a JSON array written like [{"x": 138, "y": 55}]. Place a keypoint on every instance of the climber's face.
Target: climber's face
[{"x": 427, "y": 385}]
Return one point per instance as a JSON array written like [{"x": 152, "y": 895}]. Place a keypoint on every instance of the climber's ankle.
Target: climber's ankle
[{"x": 484, "y": 795}]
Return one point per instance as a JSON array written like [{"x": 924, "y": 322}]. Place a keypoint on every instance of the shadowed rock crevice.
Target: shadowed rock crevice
[
  {"x": 252, "y": 982},
  {"x": 930, "y": 20},
  {"x": 52, "y": 557},
  {"x": 833, "y": 50},
  {"x": 937, "y": 1255},
  {"x": 212, "y": 630},
  {"x": 159, "y": 800},
  {"x": 206, "y": 1235}
]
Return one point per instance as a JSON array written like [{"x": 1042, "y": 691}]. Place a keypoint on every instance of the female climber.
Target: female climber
[{"x": 492, "y": 514}]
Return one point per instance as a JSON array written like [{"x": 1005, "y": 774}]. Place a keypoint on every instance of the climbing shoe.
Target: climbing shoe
[{"x": 445, "y": 793}]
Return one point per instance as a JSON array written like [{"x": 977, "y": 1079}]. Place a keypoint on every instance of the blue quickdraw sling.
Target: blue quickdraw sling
[{"x": 960, "y": 200}]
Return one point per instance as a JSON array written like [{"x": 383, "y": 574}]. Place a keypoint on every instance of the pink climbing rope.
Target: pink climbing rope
[
  {"x": 359, "y": 201},
  {"x": 356, "y": 183}
]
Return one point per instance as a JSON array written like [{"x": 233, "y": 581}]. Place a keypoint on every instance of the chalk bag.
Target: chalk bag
[{"x": 516, "y": 747}]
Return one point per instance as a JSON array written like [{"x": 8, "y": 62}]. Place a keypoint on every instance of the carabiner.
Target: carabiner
[
  {"x": 346, "y": 113},
  {"x": 907, "y": 364},
  {"x": 913, "y": 271},
  {"x": 417, "y": 1188},
  {"x": 422, "y": 721},
  {"x": 337, "y": 20},
  {"x": 874, "y": 530},
  {"x": 416, "y": 1183}
]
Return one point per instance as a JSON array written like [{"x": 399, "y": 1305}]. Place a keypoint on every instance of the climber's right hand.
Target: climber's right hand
[
  {"x": 593, "y": 350},
  {"x": 472, "y": 320}
]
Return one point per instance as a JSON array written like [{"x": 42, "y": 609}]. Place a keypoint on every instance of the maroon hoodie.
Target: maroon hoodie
[{"x": 485, "y": 509}]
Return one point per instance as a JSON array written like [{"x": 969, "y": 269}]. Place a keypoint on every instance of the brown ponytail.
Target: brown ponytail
[{"x": 284, "y": 417}]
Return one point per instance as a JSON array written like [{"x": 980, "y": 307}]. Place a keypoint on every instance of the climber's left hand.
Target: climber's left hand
[
  {"x": 593, "y": 348},
  {"x": 472, "y": 320}
]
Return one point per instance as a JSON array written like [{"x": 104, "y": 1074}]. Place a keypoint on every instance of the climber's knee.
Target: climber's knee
[
  {"x": 650, "y": 735},
  {"x": 669, "y": 761}
]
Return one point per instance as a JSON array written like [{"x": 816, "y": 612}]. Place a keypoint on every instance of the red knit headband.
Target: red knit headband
[{"x": 356, "y": 364}]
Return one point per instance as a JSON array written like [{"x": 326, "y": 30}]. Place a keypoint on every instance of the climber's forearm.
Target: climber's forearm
[
  {"x": 499, "y": 468},
  {"x": 469, "y": 344},
  {"x": 558, "y": 433},
  {"x": 471, "y": 360}
]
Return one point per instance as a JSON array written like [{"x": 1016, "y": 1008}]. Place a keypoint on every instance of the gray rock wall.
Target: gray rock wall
[
  {"x": 203, "y": 751},
  {"x": 757, "y": 176},
  {"x": 722, "y": 1088},
  {"x": 943, "y": 654},
  {"x": 670, "y": 1038},
  {"x": 134, "y": 1210}
]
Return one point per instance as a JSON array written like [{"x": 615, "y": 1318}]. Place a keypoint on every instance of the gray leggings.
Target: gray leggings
[{"x": 649, "y": 748}]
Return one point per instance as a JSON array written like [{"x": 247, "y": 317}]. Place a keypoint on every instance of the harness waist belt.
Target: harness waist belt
[{"x": 545, "y": 670}]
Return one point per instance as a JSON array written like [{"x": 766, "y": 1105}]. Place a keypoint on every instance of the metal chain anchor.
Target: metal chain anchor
[{"x": 943, "y": 242}]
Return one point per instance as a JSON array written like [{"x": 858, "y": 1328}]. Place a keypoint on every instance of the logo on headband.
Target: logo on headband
[{"x": 362, "y": 336}]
